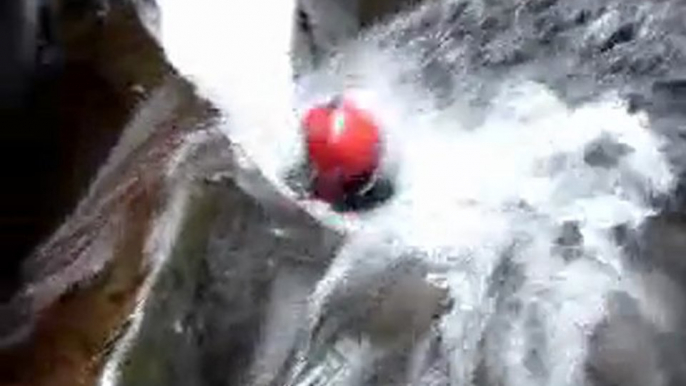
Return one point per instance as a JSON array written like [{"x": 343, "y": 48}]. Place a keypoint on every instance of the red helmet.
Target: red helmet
[{"x": 343, "y": 146}]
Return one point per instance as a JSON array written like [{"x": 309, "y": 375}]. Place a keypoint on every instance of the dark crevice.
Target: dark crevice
[{"x": 624, "y": 34}]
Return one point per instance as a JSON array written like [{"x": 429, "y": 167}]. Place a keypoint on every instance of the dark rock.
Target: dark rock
[
  {"x": 623, "y": 351},
  {"x": 605, "y": 152},
  {"x": 74, "y": 111},
  {"x": 207, "y": 311},
  {"x": 71, "y": 297}
]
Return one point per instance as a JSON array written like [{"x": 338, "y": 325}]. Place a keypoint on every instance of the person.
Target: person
[{"x": 344, "y": 147}]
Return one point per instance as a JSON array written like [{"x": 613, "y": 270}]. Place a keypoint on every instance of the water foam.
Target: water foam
[{"x": 471, "y": 198}]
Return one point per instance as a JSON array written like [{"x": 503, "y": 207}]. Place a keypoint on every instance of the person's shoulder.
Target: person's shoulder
[{"x": 380, "y": 189}]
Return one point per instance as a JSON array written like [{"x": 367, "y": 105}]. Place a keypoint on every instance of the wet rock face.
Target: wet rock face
[
  {"x": 18, "y": 22},
  {"x": 96, "y": 262},
  {"x": 579, "y": 48},
  {"x": 19, "y": 34},
  {"x": 605, "y": 153},
  {"x": 77, "y": 95},
  {"x": 323, "y": 26},
  {"x": 617, "y": 360},
  {"x": 206, "y": 316},
  {"x": 53, "y": 145}
]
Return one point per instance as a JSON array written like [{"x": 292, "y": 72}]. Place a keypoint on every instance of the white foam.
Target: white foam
[
  {"x": 467, "y": 196},
  {"x": 238, "y": 54}
]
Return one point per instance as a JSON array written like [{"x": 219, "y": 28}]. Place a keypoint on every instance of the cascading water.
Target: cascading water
[
  {"x": 511, "y": 191},
  {"x": 512, "y": 203},
  {"x": 244, "y": 68}
]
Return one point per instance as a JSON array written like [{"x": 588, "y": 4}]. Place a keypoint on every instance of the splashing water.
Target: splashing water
[
  {"x": 502, "y": 193},
  {"x": 510, "y": 185},
  {"x": 244, "y": 70},
  {"x": 471, "y": 197}
]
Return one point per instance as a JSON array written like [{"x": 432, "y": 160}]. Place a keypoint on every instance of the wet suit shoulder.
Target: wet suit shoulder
[{"x": 377, "y": 191}]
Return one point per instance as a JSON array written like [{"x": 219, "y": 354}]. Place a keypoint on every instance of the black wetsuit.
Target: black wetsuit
[{"x": 363, "y": 193}]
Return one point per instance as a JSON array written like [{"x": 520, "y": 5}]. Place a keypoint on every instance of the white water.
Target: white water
[
  {"x": 238, "y": 55},
  {"x": 466, "y": 194}
]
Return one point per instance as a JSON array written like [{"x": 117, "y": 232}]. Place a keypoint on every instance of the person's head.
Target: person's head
[{"x": 343, "y": 146}]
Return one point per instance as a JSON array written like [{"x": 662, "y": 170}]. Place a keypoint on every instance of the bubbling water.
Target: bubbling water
[{"x": 505, "y": 193}]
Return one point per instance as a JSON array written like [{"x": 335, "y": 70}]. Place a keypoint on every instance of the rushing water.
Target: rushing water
[{"x": 510, "y": 191}]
